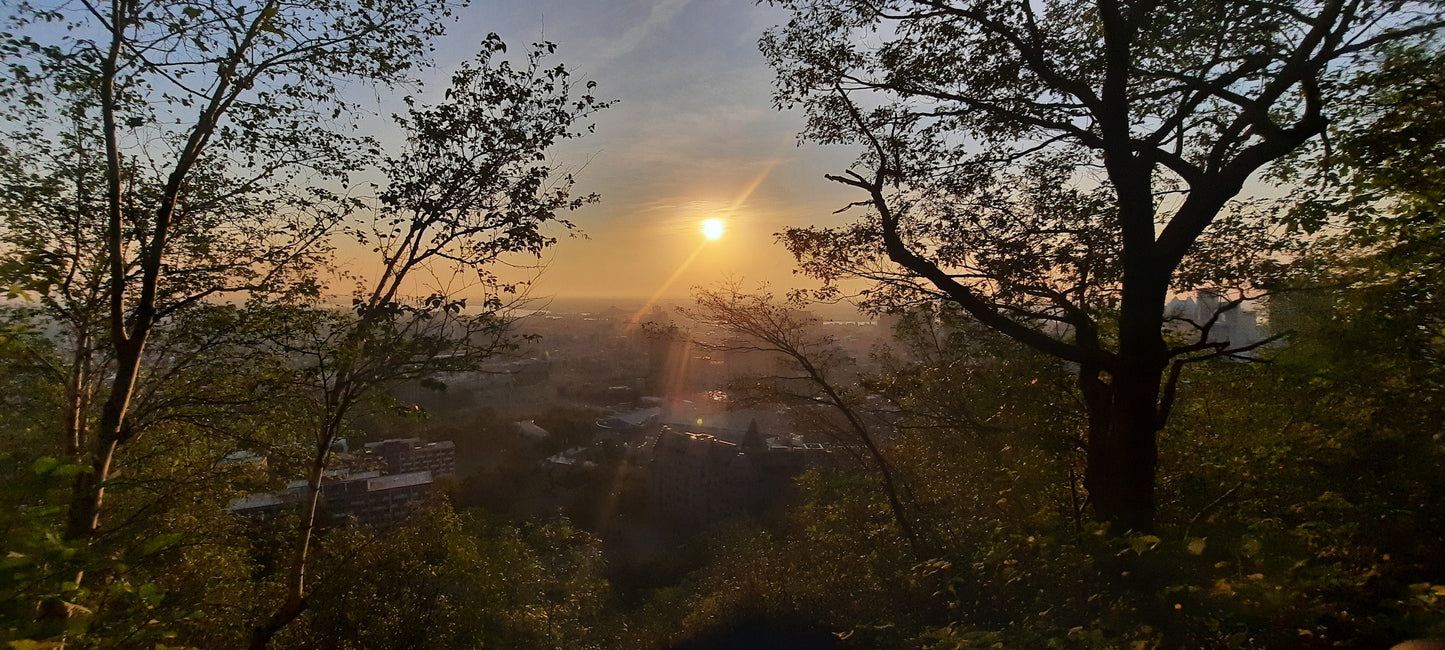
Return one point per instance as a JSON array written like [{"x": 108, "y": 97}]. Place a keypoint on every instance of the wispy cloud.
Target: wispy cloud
[{"x": 658, "y": 17}]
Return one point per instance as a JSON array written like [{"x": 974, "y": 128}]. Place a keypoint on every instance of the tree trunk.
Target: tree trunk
[
  {"x": 296, "y": 599},
  {"x": 84, "y": 516},
  {"x": 262, "y": 634},
  {"x": 1123, "y": 413},
  {"x": 1123, "y": 450},
  {"x": 89, "y": 489},
  {"x": 78, "y": 395},
  {"x": 296, "y": 577}
]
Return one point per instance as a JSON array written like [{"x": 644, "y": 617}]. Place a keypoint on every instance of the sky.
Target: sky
[{"x": 693, "y": 136}]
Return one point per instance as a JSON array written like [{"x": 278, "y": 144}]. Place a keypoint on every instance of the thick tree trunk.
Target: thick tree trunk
[
  {"x": 1123, "y": 410},
  {"x": 1123, "y": 452}
]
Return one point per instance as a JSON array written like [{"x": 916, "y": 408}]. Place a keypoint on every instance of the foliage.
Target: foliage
[
  {"x": 175, "y": 568},
  {"x": 1057, "y": 170},
  {"x": 833, "y": 564},
  {"x": 178, "y": 189},
  {"x": 993, "y": 110},
  {"x": 1296, "y": 506},
  {"x": 470, "y": 187},
  {"x": 449, "y": 580},
  {"x": 1380, "y": 182},
  {"x": 760, "y": 323},
  {"x": 173, "y": 563},
  {"x": 953, "y": 379}
]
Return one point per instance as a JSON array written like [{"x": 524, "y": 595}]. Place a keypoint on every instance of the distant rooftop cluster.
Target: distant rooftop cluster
[
  {"x": 378, "y": 498},
  {"x": 700, "y": 478},
  {"x": 1237, "y": 324}
]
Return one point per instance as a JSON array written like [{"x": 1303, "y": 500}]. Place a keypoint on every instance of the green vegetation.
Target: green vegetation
[
  {"x": 984, "y": 118},
  {"x": 1036, "y": 467}
]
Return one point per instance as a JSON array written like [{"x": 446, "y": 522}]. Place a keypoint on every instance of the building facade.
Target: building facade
[
  {"x": 698, "y": 478},
  {"x": 366, "y": 498},
  {"x": 403, "y": 455}
]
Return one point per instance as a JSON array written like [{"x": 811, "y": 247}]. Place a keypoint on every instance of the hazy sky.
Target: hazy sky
[{"x": 693, "y": 136}]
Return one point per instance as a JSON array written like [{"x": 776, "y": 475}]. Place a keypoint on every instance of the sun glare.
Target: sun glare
[{"x": 712, "y": 228}]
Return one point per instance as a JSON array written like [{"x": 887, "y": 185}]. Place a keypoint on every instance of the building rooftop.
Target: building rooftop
[
  {"x": 529, "y": 429},
  {"x": 332, "y": 475},
  {"x": 240, "y": 457},
  {"x": 394, "y": 481},
  {"x": 262, "y": 500}
]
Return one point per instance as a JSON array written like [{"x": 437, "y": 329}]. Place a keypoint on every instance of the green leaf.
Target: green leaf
[
  {"x": 70, "y": 470},
  {"x": 1141, "y": 543},
  {"x": 160, "y": 542},
  {"x": 44, "y": 465},
  {"x": 28, "y": 644},
  {"x": 150, "y": 594},
  {"x": 268, "y": 23}
]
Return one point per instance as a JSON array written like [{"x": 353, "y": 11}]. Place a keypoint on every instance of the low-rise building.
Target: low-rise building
[
  {"x": 377, "y": 501},
  {"x": 403, "y": 455},
  {"x": 697, "y": 478},
  {"x": 366, "y": 498},
  {"x": 406, "y": 470},
  {"x": 266, "y": 506},
  {"x": 623, "y": 427}
]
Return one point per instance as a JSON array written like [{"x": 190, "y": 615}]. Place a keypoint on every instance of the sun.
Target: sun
[{"x": 712, "y": 228}]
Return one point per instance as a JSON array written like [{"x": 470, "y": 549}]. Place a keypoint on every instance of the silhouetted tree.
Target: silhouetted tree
[
  {"x": 1057, "y": 169},
  {"x": 471, "y": 187},
  {"x": 191, "y": 104},
  {"x": 765, "y": 324}
]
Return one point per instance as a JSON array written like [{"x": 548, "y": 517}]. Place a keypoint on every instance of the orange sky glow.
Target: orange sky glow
[{"x": 693, "y": 137}]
